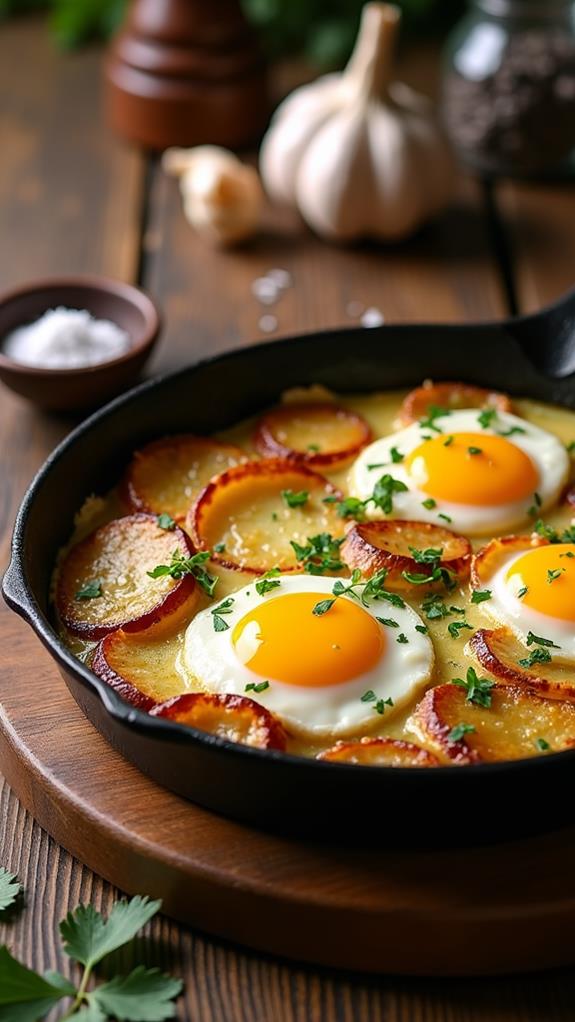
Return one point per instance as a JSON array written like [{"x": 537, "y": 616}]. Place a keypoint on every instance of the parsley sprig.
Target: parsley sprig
[
  {"x": 373, "y": 588},
  {"x": 87, "y": 939},
  {"x": 297, "y": 498},
  {"x": 181, "y": 565},
  {"x": 478, "y": 690},
  {"x": 217, "y": 614},
  {"x": 437, "y": 572},
  {"x": 268, "y": 582},
  {"x": 320, "y": 553},
  {"x": 434, "y": 412},
  {"x": 382, "y": 497},
  {"x": 551, "y": 534}
]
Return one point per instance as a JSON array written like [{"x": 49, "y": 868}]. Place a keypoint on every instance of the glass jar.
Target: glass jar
[{"x": 509, "y": 87}]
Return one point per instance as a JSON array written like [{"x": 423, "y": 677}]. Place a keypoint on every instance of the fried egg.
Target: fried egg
[
  {"x": 478, "y": 478},
  {"x": 534, "y": 591},
  {"x": 324, "y": 674}
]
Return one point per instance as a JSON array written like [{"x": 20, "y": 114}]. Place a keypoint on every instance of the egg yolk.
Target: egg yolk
[
  {"x": 284, "y": 640},
  {"x": 548, "y": 575},
  {"x": 472, "y": 468}
]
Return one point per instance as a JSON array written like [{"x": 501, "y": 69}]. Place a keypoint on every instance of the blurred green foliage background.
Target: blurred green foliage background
[{"x": 322, "y": 31}]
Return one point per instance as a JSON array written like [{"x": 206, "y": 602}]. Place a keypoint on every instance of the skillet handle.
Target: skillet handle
[{"x": 14, "y": 589}]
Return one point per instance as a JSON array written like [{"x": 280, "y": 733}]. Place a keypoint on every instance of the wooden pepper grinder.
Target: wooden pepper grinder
[{"x": 186, "y": 72}]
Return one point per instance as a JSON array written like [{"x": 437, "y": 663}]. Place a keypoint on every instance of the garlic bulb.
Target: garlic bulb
[
  {"x": 222, "y": 196},
  {"x": 356, "y": 154}
]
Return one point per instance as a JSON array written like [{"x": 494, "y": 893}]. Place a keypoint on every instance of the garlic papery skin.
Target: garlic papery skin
[
  {"x": 357, "y": 154},
  {"x": 222, "y": 196}
]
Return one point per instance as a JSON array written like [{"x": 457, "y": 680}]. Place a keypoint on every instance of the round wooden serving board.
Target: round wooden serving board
[{"x": 476, "y": 911}]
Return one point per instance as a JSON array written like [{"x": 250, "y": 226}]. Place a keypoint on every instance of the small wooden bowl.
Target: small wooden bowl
[{"x": 79, "y": 388}]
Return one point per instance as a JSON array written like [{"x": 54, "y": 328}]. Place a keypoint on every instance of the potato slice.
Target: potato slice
[
  {"x": 103, "y": 581},
  {"x": 516, "y": 725},
  {"x": 235, "y": 718},
  {"x": 380, "y": 752},
  {"x": 321, "y": 434},
  {"x": 167, "y": 475},
  {"x": 489, "y": 559},
  {"x": 499, "y": 652},
  {"x": 249, "y": 515},
  {"x": 371, "y": 546},
  {"x": 139, "y": 667},
  {"x": 449, "y": 395}
]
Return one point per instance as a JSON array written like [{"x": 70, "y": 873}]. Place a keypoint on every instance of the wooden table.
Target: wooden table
[{"x": 73, "y": 199}]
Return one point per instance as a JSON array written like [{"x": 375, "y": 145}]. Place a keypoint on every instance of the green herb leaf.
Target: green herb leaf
[
  {"x": 429, "y": 556},
  {"x": 448, "y": 442},
  {"x": 219, "y": 548},
  {"x": 313, "y": 448},
  {"x": 88, "y": 937},
  {"x": 542, "y": 744},
  {"x": 165, "y": 521},
  {"x": 454, "y": 628},
  {"x": 28, "y": 995},
  {"x": 396, "y": 456},
  {"x": 434, "y": 412},
  {"x": 534, "y": 509},
  {"x": 445, "y": 518},
  {"x": 320, "y": 554},
  {"x": 9, "y": 888},
  {"x": 297, "y": 499},
  {"x": 223, "y": 608},
  {"x": 351, "y": 507},
  {"x": 181, "y": 565},
  {"x": 381, "y": 704},
  {"x": 553, "y": 574},
  {"x": 536, "y": 656},
  {"x": 422, "y": 628},
  {"x": 487, "y": 417},
  {"x": 369, "y": 696},
  {"x": 388, "y": 621},
  {"x": 402, "y": 638},
  {"x": 90, "y": 591},
  {"x": 459, "y": 731},
  {"x": 256, "y": 686},
  {"x": 322, "y": 607},
  {"x": 480, "y": 595},
  {"x": 268, "y": 582},
  {"x": 478, "y": 689},
  {"x": 540, "y": 641},
  {"x": 384, "y": 490},
  {"x": 474, "y": 450},
  {"x": 146, "y": 995},
  {"x": 512, "y": 431},
  {"x": 522, "y": 592},
  {"x": 429, "y": 503}
]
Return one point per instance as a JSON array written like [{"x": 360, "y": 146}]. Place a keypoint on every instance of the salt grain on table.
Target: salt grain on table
[
  {"x": 268, "y": 324},
  {"x": 372, "y": 317}
]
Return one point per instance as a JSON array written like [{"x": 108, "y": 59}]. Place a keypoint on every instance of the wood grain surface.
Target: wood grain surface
[{"x": 72, "y": 198}]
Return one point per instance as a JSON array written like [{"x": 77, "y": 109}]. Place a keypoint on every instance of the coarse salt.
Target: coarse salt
[
  {"x": 66, "y": 339},
  {"x": 372, "y": 317}
]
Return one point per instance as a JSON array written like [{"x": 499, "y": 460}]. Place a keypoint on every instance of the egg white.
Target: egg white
[
  {"x": 333, "y": 710},
  {"x": 506, "y": 608},
  {"x": 546, "y": 452}
]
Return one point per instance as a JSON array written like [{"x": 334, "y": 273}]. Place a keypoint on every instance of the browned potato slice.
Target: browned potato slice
[
  {"x": 103, "y": 581},
  {"x": 500, "y": 653},
  {"x": 371, "y": 546},
  {"x": 321, "y": 434},
  {"x": 249, "y": 515},
  {"x": 380, "y": 752},
  {"x": 449, "y": 395},
  {"x": 516, "y": 725},
  {"x": 167, "y": 475},
  {"x": 140, "y": 668},
  {"x": 235, "y": 718}
]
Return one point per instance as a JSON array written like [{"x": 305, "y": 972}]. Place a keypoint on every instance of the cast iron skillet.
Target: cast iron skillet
[{"x": 531, "y": 356}]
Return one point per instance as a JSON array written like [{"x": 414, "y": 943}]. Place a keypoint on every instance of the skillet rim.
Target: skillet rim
[{"x": 19, "y": 596}]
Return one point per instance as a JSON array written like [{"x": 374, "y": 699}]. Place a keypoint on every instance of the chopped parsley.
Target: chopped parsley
[
  {"x": 313, "y": 448},
  {"x": 459, "y": 731},
  {"x": 540, "y": 641},
  {"x": 374, "y": 588},
  {"x": 533, "y": 511},
  {"x": 396, "y": 456},
  {"x": 256, "y": 686},
  {"x": 322, "y": 607},
  {"x": 369, "y": 696},
  {"x": 487, "y": 417},
  {"x": 429, "y": 503},
  {"x": 388, "y": 621},
  {"x": 553, "y": 574},
  {"x": 536, "y": 656},
  {"x": 522, "y": 592},
  {"x": 449, "y": 441},
  {"x": 382, "y": 497},
  {"x": 454, "y": 628},
  {"x": 542, "y": 744},
  {"x": 437, "y": 573},
  {"x": 478, "y": 690},
  {"x": 512, "y": 431},
  {"x": 422, "y": 628},
  {"x": 165, "y": 521},
  {"x": 430, "y": 420},
  {"x": 474, "y": 450},
  {"x": 295, "y": 499},
  {"x": 90, "y": 590},
  {"x": 381, "y": 704},
  {"x": 434, "y": 608},
  {"x": 219, "y": 548},
  {"x": 224, "y": 608},
  {"x": 480, "y": 595},
  {"x": 445, "y": 518},
  {"x": 320, "y": 554},
  {"x": 402, "y": 638},
  {"x": 181, "y": 565},
  {"x": 551, "y": 534},
  {"x": 268, "y": 582}
]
